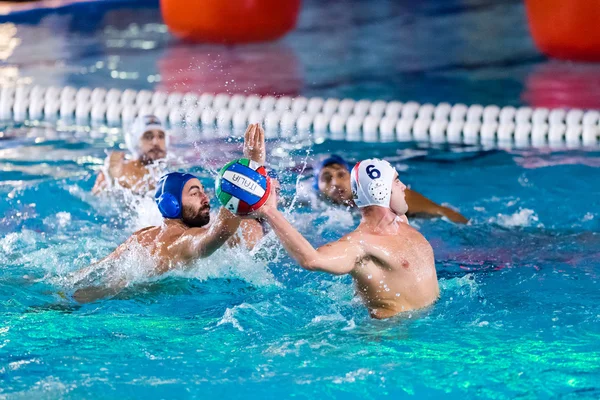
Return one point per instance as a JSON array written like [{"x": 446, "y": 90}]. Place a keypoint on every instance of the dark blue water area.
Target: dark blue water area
[{"x": 469, "y": 51}]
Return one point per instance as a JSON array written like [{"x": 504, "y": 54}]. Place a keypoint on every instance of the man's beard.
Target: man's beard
[
  {"x": 195, "y": 220},
  {"x": 339, "y": 198},
  {"x": 153, "y": 155}
]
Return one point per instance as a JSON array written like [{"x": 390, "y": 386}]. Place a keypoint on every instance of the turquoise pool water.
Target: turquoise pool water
[
  {"x": 519, "y": 314},
  {"x": 518, "y": 317}
]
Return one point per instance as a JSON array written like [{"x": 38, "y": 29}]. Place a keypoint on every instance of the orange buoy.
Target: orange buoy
[
  {"x": 566, "y": 29},
  {"x": 230, "y": 21}
]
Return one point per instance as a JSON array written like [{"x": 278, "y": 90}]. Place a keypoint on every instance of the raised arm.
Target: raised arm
[
  {"x": 421, "y": 205},
  {"x": 113, "y": 164},
  {"x": 336, "y": 258},
  {"x": 100, "y": 183},
  {"x": 199, "y": 243},
  {"x": 255, "y": 150}
]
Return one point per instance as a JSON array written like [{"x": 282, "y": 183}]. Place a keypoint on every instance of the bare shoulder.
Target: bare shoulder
[
  {"x": 160, "y": 238},
  {"x": 146, "y": 230},
  {"x": 374, "y": 243},
  {"x": 353, "y": 240},
  {"x": 177, "y": 234},
  {"x": 133, "y": 169},
  {"x": 115, "y": 156}
]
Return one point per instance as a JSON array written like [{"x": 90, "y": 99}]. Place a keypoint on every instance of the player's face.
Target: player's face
[
  {"x": 153, "y": 145},
  {"x": 195, "y": 204},
  {"x": 397, "y": 199},
  {"x": 334, "y": 184}
]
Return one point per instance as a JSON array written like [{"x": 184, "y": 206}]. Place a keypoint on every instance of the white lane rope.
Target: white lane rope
[{"x": 346, "y": 119}]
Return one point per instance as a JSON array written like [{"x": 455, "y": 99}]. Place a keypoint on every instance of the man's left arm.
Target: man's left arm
[
  {"x": 202, "y": 242},
  {"x": 419, "y": 204},
  {"x": 251, "y": 232}
]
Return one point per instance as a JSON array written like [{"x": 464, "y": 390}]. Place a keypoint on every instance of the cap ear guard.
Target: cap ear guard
[
  {"x": 168, "y": 206},
  {"x": 378, "y": 190},
  {"x": 168, "y": 194}
]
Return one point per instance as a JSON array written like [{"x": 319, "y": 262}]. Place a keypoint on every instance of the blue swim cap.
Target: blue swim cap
[
  {"x": 168, "y": 193},
  {"x": 332, "y": 159}
]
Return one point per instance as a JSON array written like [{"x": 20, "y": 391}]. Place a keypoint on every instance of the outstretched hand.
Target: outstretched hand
[
  {"x": 267, "y": 208},
  {"x": 254, "y": 144}
]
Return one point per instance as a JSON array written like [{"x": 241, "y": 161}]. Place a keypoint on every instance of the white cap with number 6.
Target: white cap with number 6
[{"x": 372, "y": 183}]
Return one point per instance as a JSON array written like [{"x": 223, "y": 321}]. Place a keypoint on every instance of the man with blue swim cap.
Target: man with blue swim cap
[
  {"x": 185, "y": 234},
  {"x": 331, "y": 181},
  {"x": 168, "y": 198},
  {"x": 391, "y": 263}
]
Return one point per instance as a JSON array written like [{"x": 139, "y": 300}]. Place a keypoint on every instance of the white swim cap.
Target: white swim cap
[
  {"x": 141, "y": 125},
  {"x": 372, "y": 183}
]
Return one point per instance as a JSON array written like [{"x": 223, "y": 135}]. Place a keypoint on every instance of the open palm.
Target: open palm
[{"x": 254, "y": 144}]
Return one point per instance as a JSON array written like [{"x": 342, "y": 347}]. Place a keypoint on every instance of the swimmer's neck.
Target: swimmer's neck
[
  {"x": 172, "y": 223},
  {"x": 381, "y": 220}
]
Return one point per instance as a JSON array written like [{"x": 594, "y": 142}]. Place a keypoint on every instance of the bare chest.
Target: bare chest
[{"x": 135, "y": 177}]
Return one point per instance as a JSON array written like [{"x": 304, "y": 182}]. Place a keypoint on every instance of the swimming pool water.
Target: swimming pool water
[
  {"x": 519, "y": 313},
  {"x": 518, "y": 317}
]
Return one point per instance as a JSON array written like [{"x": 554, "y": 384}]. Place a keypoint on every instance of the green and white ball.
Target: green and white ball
[{"x": 243, "y": 186}]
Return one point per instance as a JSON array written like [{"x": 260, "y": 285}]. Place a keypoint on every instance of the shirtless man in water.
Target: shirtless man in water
[
  {"x": 184, "y": 235},
  {"x": 391, "y": 263},
  {"x": 331, "y": 183},
  {"x": 147, "y": 141}
]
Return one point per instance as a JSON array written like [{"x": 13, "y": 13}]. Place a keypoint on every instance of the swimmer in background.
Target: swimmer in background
[
  {"x": 331, "y": 183},
  {"x": 391, "y": 263},
  {"x": 147, "y": 142},
  {"x": 184, "y": 235}
]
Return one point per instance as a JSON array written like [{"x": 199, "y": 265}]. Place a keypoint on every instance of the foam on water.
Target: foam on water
[
  {"x": 230, "y": 263},
  {"x": 523, "y": 217}
]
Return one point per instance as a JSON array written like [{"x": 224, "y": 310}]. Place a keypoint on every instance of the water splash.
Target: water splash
[{"x": 524, "y": 217}]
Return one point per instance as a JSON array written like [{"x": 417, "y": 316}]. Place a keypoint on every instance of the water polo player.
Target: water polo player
[
  {"x": 331, "y": 183},
  {"x": 184, "y": 235},
  {"x": 391, "y": 263},
  {"x": 147, "y": 142}
]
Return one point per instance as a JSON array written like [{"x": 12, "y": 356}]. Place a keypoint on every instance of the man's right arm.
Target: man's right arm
[
  {"x": 113, "y": 165},
  {"x": 336, "y": 258},
  {"x": 100, "y": 183}
]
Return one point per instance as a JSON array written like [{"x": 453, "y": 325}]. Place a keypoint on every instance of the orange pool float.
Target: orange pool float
[
  {"x": 566, "y": 29},
  {"x": 230, "y": 21}
]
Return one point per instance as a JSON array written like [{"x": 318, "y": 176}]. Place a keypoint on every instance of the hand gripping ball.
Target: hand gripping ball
[{"x": 243, "y": 186}]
